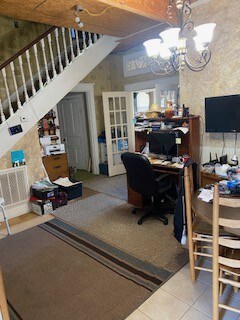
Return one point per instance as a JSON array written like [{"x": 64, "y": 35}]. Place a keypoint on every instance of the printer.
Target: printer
[{"x": 54, "y": 149}]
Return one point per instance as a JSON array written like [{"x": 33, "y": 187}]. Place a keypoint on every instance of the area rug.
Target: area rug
[
  {"x": 110, "y": 219},
  {"x": 114, "y": 186},
  {"x": 55, "y": 271}
]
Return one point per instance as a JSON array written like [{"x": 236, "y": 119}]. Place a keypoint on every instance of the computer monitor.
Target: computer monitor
[{"x": 163, "y": 143}]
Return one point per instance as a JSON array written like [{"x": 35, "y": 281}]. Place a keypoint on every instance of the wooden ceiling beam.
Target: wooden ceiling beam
[{"x": 152, "y": 9}]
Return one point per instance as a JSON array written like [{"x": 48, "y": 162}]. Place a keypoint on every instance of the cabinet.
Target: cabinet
[
  {"x": 209, "y": 178},
  {"x": 190, "y": 142},
  {"x": 56, "y": 166}
]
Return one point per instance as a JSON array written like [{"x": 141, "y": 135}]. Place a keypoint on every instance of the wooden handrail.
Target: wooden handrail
[{"x": 19, "y": 53}]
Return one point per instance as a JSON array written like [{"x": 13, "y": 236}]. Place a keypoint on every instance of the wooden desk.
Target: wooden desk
[
  {"x": 204, "y": 211},
  {"x": 137, "y": 199},
  {"x": 209, "y": 178}
]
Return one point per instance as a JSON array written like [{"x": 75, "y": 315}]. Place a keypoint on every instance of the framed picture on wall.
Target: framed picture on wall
[{"x": 4, "y": 315}]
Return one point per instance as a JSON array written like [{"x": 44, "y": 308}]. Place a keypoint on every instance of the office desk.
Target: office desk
[
  {"x": 204, "y": 211},
  {"x": 137, "y": 199}
]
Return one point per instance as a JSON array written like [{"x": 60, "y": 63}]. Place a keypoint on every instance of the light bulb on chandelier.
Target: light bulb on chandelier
[{"x": 169, "y": 53}]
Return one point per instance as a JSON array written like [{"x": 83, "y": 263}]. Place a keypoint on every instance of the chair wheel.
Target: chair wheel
[
  {"x": 165, "y": 222},
  {"x": 140, "y": 222},
  {"x": 134, "y": 211}
]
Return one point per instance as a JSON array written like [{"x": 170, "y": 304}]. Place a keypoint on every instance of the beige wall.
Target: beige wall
[
  {"x": 100, "y": 76},
  {"x": 222, "y": 74}
]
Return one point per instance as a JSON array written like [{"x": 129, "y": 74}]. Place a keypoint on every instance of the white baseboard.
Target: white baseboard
[{"x": 14, "y": 212}]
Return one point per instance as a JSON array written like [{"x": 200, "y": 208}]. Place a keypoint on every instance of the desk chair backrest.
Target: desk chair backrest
[{"x": 140, "y": 174}]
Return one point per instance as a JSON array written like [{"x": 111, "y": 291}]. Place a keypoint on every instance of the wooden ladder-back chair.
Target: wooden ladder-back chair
[
  {"x": 199, "y": 233},
  {"x": 225, "y": 261}
]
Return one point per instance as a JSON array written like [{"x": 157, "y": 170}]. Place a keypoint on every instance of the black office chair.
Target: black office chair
[{"x": 142, "y": 179}]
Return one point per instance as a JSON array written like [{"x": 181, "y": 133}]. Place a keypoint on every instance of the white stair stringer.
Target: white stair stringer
[{"x": 52, "y": 93}]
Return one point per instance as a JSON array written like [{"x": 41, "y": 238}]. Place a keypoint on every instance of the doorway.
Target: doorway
[{"x": 74, "y": 132}]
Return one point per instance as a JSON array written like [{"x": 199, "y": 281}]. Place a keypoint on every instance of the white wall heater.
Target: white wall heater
[{"x": 14, "y": 188}]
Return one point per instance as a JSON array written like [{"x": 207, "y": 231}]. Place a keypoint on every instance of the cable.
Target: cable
[
  {"x": 223, "y": 142},
  {"x": 96, "y": 14}
]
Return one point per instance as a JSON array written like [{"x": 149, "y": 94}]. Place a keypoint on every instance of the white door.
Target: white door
[
  {"x": 74, "y": 129},
  {"x": 119, "y": 128}
]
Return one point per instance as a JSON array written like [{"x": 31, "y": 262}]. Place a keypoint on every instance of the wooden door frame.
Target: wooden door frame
[{"x": 88, "y": 89}]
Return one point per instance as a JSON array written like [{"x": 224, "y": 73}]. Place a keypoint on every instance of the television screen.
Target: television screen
[{"x": 222, "y": 114}]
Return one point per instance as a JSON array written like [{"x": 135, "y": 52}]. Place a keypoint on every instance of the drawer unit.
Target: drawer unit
[{"x": 56, "y": 166}]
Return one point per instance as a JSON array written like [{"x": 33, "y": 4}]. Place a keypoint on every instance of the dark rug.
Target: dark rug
[{"x": 55, "y": 271}]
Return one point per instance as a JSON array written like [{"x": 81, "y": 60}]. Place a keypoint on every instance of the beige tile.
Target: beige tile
[
  {"x": 164, "y": 306},
  {"x": 203, "y": 276},
  {"x": 204, "y": 304},
  {"x": 194, "y": 314},
  {"x": 181, "y": 286},
  {"x": 137, "y": 315}
]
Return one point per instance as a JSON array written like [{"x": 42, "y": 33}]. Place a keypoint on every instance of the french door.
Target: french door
[{"x": 119, "y": 128}]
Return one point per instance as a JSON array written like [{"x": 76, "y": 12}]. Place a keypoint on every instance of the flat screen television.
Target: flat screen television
[{"x": 222, "y": 114}]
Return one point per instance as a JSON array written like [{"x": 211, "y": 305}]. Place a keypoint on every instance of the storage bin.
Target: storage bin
[{"x": 73, "y": 191}]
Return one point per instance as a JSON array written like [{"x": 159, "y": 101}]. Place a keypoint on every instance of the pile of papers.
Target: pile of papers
[{"x": 206, "y": 195}]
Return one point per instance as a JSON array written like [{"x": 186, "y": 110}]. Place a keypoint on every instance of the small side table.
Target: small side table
[{"x": 4, "y": 216}]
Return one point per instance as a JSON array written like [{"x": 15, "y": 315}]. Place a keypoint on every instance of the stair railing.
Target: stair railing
[{"x": 37, "y": 64}]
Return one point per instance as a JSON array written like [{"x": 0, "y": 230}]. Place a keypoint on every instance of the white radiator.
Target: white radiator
[{"x": 14, "y": 186}]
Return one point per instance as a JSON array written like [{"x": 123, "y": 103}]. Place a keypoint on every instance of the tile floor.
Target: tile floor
[{"x": 177, "y": 299}]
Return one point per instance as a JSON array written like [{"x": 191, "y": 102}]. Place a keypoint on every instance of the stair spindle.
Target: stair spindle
[
  {"x": 95, "y": 38},
  {"x": 51, "y": 55},
  {"x": 78, "y": 47},
  {"x": 65, "y": 46},
  {"x": 30, "y": 72},
  {"x": 2, "y": 115},
  {"x": 71, "y": 44},
  {"x": 90, "y": 39},
  {"x": 12, "y": 67},
  {"x": 84, "y": 40},
  {"x": 58, "y": 49},
  {"x": 38, "y": 67},
  {"x": 7, "y": 91},
  {"x": 42, "y": 42},
  {"x": 23, "y": 78}
]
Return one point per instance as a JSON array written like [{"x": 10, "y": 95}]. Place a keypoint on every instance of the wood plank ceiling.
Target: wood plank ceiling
[{"x": 120, "y": 18}]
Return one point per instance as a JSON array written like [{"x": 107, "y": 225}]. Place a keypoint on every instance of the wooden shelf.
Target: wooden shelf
[{"x": 167, "y": 119}]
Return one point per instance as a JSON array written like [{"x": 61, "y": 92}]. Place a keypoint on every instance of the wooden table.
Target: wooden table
[{"x": 204, "y": 211}]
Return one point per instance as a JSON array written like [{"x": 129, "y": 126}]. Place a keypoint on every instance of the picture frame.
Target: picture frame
[{"x": 4, "y": 314}]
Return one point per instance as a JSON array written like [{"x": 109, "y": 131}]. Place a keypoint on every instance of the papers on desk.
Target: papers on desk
[
  {"x": 206, "y": 195},
  {"x": 183, "y": 129}
]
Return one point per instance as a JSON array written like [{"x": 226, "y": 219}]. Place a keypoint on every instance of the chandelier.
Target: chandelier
[{"x": 169, "y": 54}]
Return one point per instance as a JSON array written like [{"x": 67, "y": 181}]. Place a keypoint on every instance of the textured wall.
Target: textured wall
[
  {"x": 30, "y": 144},
  {"x": 222, "y": 74},
  {"x": 100, "y": 76}
]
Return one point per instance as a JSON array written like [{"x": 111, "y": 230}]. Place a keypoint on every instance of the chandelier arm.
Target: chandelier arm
[
  {"x": 187, "y": 10},
  {"x": 175, "y": 61},
  {"x": 165, "y": 66},
  {"x": 201, "y": 62}
]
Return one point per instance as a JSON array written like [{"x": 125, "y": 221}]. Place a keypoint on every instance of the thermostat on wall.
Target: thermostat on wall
[{"x": 15, "y": 129}]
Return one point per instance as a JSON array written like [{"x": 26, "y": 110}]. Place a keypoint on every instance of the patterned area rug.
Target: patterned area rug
[{"x": 55, "y": 271}]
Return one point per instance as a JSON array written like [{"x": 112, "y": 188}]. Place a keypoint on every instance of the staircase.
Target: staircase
[{"x": 35, "y": 79}]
